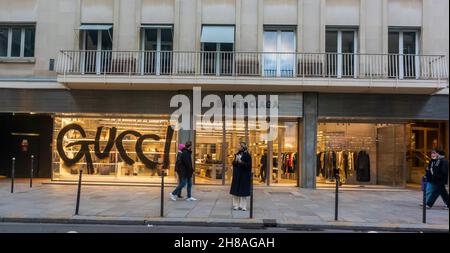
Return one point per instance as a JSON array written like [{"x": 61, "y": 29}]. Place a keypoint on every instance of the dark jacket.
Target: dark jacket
[
  {"x": 440, "y": 171},
  {"x": 178, "y": 163},
  {"x": 264, "y": 161},
  {"x": 242, "y": 174},
  {"x": 184, "y": 166},
  {"x": 363, "y": 167}
]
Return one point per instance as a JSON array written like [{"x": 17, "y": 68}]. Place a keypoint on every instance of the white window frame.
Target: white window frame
[
  {"x": 98, "y": 53},
  {"x": 158, "y": 45},
  {"x": 401, "y": 70},
  {"x": 22, "y": 42},
  {"x": 218, "y": 51},
  {"x": 339, "y": 49},
  {"x": 279, "y": 30}
]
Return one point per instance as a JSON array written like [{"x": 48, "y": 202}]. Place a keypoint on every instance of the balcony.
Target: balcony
[{"x": 290, "y": 71}]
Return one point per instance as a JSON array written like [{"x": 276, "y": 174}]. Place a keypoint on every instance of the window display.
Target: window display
[
  {"x": 361, "y": 153},
  {"x": 114, "y": 148},
  {"x": 213, "y": 157}
]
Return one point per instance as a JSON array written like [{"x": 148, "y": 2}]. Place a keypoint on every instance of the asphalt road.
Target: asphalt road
[{"x": 94, "y": 228}]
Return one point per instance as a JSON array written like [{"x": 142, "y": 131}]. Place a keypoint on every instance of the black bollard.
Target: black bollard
[
  {"x": 424, "y": 204},
  {"x": 13, "y": 172},
  {"x": 251, "y": 197},
  {"x": 162, "y": 193},
  {"x": 336, "y": 199},
  {"x": 31, "y": 171},
  {"x": 77, "y": 208}
]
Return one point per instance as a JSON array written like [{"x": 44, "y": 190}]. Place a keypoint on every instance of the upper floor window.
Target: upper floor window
[
  {"x": 17, "y": 41},
  {"x": 217, "y": 44},
  {"x": 157, "y": 42},
  {"x": 279, "y": 51},
  {"x": 403, "y": 47},
  {"x": 157, "y": 38},
  {"x": 96, "y": 37},
  {"x": 96, "y": 42},
  {"x": 341, "y": 47}
]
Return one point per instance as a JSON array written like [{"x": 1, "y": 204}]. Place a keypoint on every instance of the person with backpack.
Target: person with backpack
[
  {"x": 186, "y": 171},
  {"x": 436, "y": 175}
]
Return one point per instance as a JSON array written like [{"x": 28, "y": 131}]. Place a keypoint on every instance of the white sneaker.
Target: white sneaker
[
  {"x": 191, "y": 199},
  {"x": 244, "y": 209},
  {"x": 235, "y": 208},
  {"x": 173, "y": 197}
]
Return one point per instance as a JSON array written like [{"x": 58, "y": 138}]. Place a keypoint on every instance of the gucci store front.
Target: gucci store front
[{"x": 126, "y": 137}]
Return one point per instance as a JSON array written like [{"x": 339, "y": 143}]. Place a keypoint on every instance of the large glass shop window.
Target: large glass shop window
[
  {"x": 361, "y": 153},
  {"x": 213, "y": 157},
  {"x": 113, "y": 148}
]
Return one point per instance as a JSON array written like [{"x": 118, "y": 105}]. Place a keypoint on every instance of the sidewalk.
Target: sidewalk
[{"x": 371, "y": 209}]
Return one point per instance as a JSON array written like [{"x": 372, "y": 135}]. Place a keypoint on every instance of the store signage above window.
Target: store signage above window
[{"x": 113, "y": 139}]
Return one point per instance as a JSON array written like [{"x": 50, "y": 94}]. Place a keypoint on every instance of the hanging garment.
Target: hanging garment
[
  {"x": 350, "y": 163},
  {"x": 291, "y": 163},
  {"x": 319, "y": 164},
  {"x": 341, "y": 165},
  {"x": 294, "y": 162},
  {"x": 363, "y": 166},
  {"x": 345, "y": 161},
  {"x": 322, "y": 164},
  {"x": 330, "y": 164}
]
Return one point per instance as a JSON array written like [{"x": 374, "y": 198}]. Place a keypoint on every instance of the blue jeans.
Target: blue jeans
[
  {"x": 183, "y": 182},
  {"x": 437, "y": 190},
  {"x": 429, "y": 188}
]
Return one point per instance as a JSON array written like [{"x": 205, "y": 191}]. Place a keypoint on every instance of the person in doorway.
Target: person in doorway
[
  {"x": 437, "y": 177},
  {"x": 186, "y": 171},
  {"x": 263, "y": 169},
  {"x": 242, "y": 174},
  {"x": 178, "y": 166}
]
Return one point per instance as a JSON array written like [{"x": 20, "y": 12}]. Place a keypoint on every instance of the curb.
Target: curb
[{"x": 256, "y": 224}]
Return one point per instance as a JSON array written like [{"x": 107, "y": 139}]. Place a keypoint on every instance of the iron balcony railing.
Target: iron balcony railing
[{"x": 256, "y": 64}]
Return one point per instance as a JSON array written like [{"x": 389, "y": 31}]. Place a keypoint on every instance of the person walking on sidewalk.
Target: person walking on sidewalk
[
  {"x": 242, "y": 174},
  {"x": 177, "y": 166},
  {"x": 186, "y": 170},
  {"x": 436, "y": 178}
]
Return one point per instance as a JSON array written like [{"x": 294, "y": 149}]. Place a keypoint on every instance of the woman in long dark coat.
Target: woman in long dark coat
[{"x": 242, "y": 174}]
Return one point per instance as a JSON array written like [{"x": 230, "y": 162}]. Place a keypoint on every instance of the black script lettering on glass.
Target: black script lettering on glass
[
  {"x": 121, "y": 149},
  {"x": 84, "y": 147}
]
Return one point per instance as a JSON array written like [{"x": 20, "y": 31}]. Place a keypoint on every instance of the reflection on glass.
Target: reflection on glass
[
  {"x": 393, "y": 48},
  {"x": 3, "y": 42},
  {"x": 331, "y": 47},
  {"x": 270, "y": 58},
  {"x": 279, "y": 56},
  {"x": 16, "y": 37},
  {"x": 287, "y": 61},
  {"x": 159, "y": 58},
  {"x": 29, "y": 42},
  {"x": 409, "y": 51}
]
